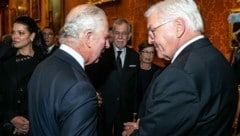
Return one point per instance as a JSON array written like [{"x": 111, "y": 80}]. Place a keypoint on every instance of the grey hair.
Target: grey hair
[
  {"x": 119, "y": 22},
  {"x": 173, "y": 9},
  {"x": 89, "y": 19}
]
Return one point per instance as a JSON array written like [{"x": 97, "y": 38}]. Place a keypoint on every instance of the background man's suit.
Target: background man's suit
[
  {"x": 196, "y": 92},
  {"x": 74, "y": 110},
  {"x": 119, "y": 89}
]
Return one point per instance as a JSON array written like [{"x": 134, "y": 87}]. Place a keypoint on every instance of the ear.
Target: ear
[
  {"x": 129, "y": 36},
  {"x": 32, "y": 36},
  {"x": 88, "y": 36},
  {"x": 180, "y": 27}
]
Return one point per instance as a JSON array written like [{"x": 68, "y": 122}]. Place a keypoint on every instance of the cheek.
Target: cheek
[{"x": 23, "y": 42}]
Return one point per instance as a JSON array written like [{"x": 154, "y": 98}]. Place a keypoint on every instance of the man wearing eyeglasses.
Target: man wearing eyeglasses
[
  {"x": 50, "y": 39},
  {"x": 195, "y": 95},
  {"x": 118, "y": 67}
]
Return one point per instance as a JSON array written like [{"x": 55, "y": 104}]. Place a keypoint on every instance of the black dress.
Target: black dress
[
  {"x": 145, "y": 77},
  {"x": 14, "y": 76}
]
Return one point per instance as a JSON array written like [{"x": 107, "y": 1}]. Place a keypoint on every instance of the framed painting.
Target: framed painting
[
  {"x": 35, "y": 9},
  {"x": 22, "y": 8},
  {"x": 234, "y": 32},
  {"x": 234, "y": 28},
  {"x": 55, "y": 14}
]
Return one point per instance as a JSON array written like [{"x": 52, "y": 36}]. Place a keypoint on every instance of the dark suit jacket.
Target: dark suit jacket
[
  {"x": 119, "y": 90},
  {"x": 196, "y": 95},
  {"x": 55, "y": 47},
  {"x": 62, "y": 102}
]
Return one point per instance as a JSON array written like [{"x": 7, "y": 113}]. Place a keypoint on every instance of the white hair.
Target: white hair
[
  {"x": 173, "y": 9},
  {"x": 90, "y": 18}
]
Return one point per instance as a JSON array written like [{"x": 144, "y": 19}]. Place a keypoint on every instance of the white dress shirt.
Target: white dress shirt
[{"x": 74, "y": 54}]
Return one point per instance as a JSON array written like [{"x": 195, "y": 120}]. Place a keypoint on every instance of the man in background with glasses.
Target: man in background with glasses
[
  {"x": 195, "y": 95},
  {"x": 50, "y": 39}
]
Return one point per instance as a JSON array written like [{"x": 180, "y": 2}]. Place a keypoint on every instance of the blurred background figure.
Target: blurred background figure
[
  {"x": 6, "y": 48},
  {"x": 147, "y": 68},
  {"x": 15, "y": 73},
  {"x": 50, "y": 39},
  {"x": 235, "y": 58}
]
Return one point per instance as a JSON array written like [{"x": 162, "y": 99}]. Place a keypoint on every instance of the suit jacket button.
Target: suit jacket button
[
  {"x": 18, "y": 101},
  {"x": 21, "y": 90}
]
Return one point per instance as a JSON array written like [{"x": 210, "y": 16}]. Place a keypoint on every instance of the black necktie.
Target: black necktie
[{"x": 119, "y": 61}]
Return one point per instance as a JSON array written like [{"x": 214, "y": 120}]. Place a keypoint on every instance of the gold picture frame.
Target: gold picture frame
[
  {"x": 35, "y": 9},
  {"x": 234, "y": 29},
  {"x": 97, "y": 2},
  {"x": 22, "y": 8}
]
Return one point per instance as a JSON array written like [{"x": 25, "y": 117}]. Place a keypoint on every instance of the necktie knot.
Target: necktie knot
[
  {"x": 119, "y": 61},
  {"x": 119, "y": 53}
]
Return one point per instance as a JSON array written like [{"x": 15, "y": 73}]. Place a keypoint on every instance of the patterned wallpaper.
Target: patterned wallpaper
[{"x": 214, "y": 12}]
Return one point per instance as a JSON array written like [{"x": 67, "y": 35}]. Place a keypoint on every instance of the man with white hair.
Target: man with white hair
[
  {"x": 195, "y": 95},
  {"x": 62, "y": 101}
]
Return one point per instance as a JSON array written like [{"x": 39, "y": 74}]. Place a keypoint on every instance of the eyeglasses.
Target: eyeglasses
[
  {"x": 152, "y": 30},
  {"x": 125, "y": 34},
  {"x": 48, "y": 35},
  {"x": 147, "y": 52}
]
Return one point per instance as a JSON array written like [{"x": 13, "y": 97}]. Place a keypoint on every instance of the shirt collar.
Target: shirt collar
[
  {"x": 73, "y": 53},
  {"x": 117, "y": 49},
  {"x": 184, "y": 46}
]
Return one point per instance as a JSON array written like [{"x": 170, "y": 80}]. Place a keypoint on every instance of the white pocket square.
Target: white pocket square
[{"x": 131, "y": 66}]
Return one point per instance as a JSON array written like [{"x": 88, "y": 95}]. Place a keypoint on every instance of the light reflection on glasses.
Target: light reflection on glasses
[
  {"x": 120, "y": 33},
  {"x": 48, "y": 34},
  {"x": 147, "y": 52},
  {"x": 152, "y": 30}
]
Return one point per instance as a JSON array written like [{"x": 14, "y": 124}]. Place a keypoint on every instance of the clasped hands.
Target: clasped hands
[
  {"x": 130, "y": 127},
  {"x": 21, "y": 125}
]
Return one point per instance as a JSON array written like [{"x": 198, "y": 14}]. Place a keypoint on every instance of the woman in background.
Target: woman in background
[
  {"x": 15, "y": 73},
  {"x": 147, "y": 68}
]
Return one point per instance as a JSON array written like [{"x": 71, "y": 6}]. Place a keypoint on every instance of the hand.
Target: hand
[
  {"x": 129, "y": 128},
  {"x": 21, "y": 125}
]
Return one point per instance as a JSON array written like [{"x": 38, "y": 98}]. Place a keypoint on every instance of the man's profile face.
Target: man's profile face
[
  {"x": 101, "y": 41},
  {"x": 162, "y": 34}
]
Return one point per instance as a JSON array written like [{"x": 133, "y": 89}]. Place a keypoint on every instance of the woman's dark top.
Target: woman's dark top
[
  {"x": 14, "y": 76},
  {"x": 145, "y": 77}
]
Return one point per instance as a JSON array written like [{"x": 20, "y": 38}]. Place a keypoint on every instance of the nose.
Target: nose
[{"x": 150, "y": 40}]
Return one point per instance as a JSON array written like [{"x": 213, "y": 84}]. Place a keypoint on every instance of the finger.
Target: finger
[
  {"x": 124, "y": 133},
  {"x": 126, "y": 127},
  {"x": 15, "y": 131}
]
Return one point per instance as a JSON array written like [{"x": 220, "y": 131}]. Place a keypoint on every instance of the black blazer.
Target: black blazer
[
  {"x": 119, "y": 90},
  {"x": 62, "y": 101},
  {"x": 196, "y": 95}
]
